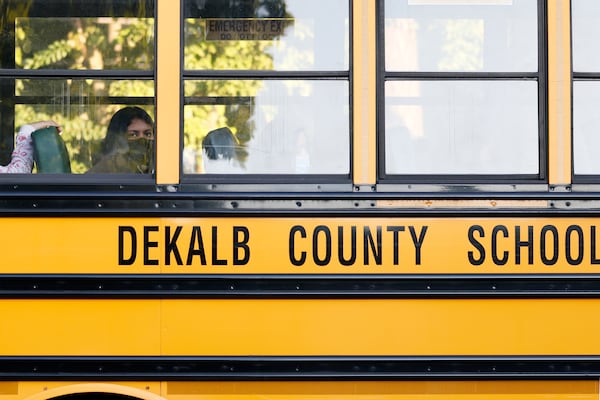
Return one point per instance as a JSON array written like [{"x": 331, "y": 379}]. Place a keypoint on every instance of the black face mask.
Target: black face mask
[{"x": 141, "y": 152}]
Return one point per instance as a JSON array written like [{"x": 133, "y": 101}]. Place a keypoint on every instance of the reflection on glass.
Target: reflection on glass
[
  {"x": 586, "y": 126},
  {"x": 585, "y": 16},
  {"x": 292, "y": 35},
  {"x": 266, "y": 127},
  {"x": 84, "y": 43},
  {"x": 495, "y": 36},
  {"x": 82, "y": 107},
  {"x": 461, "y": 127}
]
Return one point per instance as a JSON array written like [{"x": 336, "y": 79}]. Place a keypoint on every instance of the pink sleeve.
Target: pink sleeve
[{"x": 22, "y": 156}]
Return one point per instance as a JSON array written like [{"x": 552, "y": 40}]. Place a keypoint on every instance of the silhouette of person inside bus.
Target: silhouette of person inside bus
[
  {"x": 129, "y": 144},
  {"x": 219, "y": 147},
  {"x": 22, "y": 155}
]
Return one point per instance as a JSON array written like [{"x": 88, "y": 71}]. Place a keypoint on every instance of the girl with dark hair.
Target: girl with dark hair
[{"x": 129, "y": 144}]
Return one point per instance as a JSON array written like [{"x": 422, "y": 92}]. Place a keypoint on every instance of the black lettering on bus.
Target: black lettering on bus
[
  {"x": 396, "y": 230},
  {"x": 527, "y": 243},
  {"x": 196, "y": 247},
  {"x": 352, "y": 259},
  {"x": 418, "y": 242},
  {"x": 578, "y": 245},
  {"x": 373, "y": 245},
  {"x": 292, "y": 245},
  {"x": 504, "y": 259},
  {"x": 149, "y": 244},
  {"x": 479, "y": 258},
  {"x": 130, "y": 230},
  {"x": 241, "y": 237},
  {"x": 593, "y": 259},
  {"x": 544, "y": 248},
  {"x": 325, "y": 260},
  {"x": 171, "y": 245},
  {"x": 215, "y": 248}
]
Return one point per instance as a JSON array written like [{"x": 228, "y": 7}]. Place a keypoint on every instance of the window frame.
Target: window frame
[
  {"x": 584, "y": 76},
  {"x": 38, "y": 8},
  {"x": 436, "y": 181},
  {"x": 270, "y": 182}
]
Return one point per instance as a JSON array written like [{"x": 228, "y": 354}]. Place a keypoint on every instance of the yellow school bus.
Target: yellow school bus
[{"x": 299, "y": 199}]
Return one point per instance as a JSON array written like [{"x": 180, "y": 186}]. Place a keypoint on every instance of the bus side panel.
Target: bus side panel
[{"x": 302, "y": 327}]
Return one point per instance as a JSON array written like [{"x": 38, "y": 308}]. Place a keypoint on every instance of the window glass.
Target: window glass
[
  {"x": 266, "y": 127},
  {"x": 466, "y": 127},
  {"x": 498, "y": 35},
  {"x": 281, "y": 35},
  {"x": 586, "y": 87},
  {"x": 461, "y": 87},
  {"x": 82, "y": 107},
  {"x": 586, "y": 125},
  {"x": 84, "y": 43},
  {"x": 267, "y": 88},
  {"x": 44, "y": 46},
  {"x": 585, "y": 16}
]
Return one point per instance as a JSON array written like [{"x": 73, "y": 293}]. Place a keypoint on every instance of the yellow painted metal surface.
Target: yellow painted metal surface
[
  {"x": 168, "y": 92},
  {"x": 382, "y": 390},
  {"x": 80, "y": 327},
  {"x": 559, "y": 92},
  {"x": 295, "y": 327},
  {"x": 364, "y": 89},
  {"x": 301, "y": 245}
]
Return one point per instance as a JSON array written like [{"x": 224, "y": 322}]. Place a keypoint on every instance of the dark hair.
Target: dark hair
[
  {"x": 118, "y": 125},
  {"x": 220, "y": 144}
]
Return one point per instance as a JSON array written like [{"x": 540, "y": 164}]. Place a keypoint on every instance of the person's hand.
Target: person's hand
[{"x": 45, "y": 124}]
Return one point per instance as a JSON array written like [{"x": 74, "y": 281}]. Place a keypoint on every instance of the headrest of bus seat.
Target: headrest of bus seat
[{"x": 50, "y": 152}]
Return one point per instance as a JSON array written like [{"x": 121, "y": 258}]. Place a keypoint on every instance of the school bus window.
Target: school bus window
[
  {"x": 586, "y": 87},
  {"x": 266, "y": 127},
  {"x": 83, "y": 109},
  {"x": 279, "y": 35},
  {"x": 468, "y": 127},
  {"x": 287, "y": 110},
  {"x": 461, "y": 87},
  {"x": 103, "y": 43},
  {"x": 48, "y": 43}
]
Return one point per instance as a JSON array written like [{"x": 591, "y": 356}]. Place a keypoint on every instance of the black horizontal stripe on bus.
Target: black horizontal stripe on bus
[
  {"x": 76, "y": 193},
  {"x": 267, "y": 286},
  {"x": 299, "y": 368}
]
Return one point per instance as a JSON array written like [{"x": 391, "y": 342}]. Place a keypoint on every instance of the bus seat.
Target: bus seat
[{"x": 50, "y": 152}]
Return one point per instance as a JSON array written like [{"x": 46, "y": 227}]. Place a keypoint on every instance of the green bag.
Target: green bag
[{"x": 50, "y": 152}]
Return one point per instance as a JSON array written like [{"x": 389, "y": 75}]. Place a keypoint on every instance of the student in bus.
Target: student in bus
[
  {"x": 129, "y": 144},
  {"x": 219, "y": 149},
  {"x": 22, "y": 156}
]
